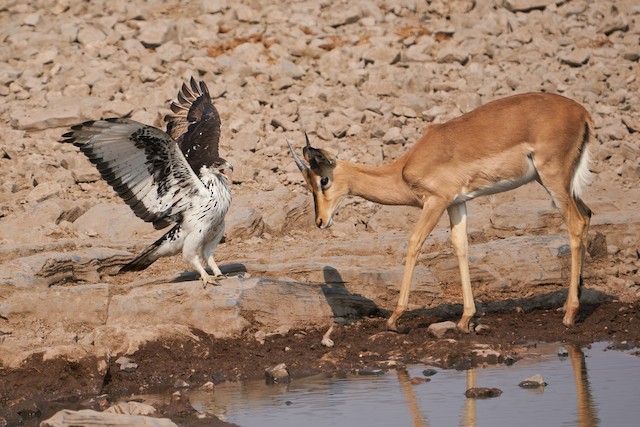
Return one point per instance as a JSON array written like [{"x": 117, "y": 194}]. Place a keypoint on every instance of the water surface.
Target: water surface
[{"x": 589, "y": 387}]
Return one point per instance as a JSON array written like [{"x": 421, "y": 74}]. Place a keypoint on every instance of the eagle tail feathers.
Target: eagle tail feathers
[
  {"x": 168, "y": 244},
  {"x": 144, "y": 260}
]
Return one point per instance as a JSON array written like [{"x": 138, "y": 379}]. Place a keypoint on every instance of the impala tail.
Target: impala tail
[{"x": 581, "y": 174}]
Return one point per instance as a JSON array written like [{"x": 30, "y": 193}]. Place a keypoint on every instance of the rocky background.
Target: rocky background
[{"x": 364, "y": 78}]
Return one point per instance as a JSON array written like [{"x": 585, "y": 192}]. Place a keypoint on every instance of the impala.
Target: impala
[{"x": 497, "y": 147}]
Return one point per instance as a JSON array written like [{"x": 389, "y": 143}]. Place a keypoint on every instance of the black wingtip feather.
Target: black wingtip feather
[
  {"x": 175, "y": 108},
  {"x": 203, "y": 88},
  {"x": 194, "y": 85},
  {"x": 79, "y": 126}
]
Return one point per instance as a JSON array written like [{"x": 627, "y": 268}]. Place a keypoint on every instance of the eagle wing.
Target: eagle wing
[
  {"x": 195, "y": 125},
  {"x": 143, "y": 164}
]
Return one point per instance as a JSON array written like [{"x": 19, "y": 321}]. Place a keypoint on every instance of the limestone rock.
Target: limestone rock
[
  {"x": 213, "y": 6},
  {"x": 90, "y": 36},
  {"x": 66, "y": 418},
  {"x": 429, "y": 372},
  {"x": 382, "y": 55},
  {"x": 534, "y": 381},
  {"x": 277, "y": 374},
  {"x": 243, "y": 223},
  {"x": 155, "y": 33},
  {"x": 527, "y": 215},
  {"x": 60, "y": 112},
  {"x": 51, "y": 268},
  {"x": 574, "y": 57},
  {"x": 85, "y": 304},
  {"x": 482, "y": 393},
  {"x": 439, "y": 330},
  {"x": 115, "y": 222},
  {"x": 131, "y": 408},
  {"x": 452, "y": 54},
  {"x": 527, "y": 5},
  {"x": 126, "y": 364}
]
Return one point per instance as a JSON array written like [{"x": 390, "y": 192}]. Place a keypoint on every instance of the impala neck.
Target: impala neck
[{"x": 379, "y": 184}]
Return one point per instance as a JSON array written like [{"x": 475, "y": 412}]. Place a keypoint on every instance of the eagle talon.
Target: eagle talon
[
  {"x": 212, "y": 280},
  {"x": 209, "y": 280}
]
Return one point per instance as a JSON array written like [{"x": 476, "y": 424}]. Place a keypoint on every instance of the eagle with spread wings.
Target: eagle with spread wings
[{"x": 167, "y": 178}]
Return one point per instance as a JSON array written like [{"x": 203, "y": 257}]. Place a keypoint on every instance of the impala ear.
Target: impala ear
[{"x": 318, "y": 159}]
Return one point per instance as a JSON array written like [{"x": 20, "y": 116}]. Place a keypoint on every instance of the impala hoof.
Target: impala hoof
[
  {"x": 463, "y": 328},
  {"x": 568, "y": 321},
  {"x": 569, "y": 316},
  {"x": 394, "y": 328}
]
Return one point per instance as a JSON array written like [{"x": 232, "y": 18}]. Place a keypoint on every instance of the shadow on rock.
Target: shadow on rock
[{"x": 346, "y": 306}]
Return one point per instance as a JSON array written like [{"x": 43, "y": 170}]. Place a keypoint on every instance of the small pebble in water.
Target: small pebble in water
[
  {"x": 482, "y": 393},
  {"x": 534, "y": 381},
  {"x": 429, "y": 372}
]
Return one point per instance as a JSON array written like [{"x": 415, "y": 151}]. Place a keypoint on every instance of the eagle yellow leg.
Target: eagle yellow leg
[
  {"x": 208, "y": 279},
  {"x": 214, "y": 267}
]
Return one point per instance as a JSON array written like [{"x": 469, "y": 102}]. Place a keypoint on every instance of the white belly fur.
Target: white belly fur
[{"x": 499, "y": 186}]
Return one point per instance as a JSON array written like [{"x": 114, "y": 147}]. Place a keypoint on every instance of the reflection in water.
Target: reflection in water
[
  {"x": 586, "y": 410},
  {"x": 469, "y": 413},
  {"x": 412, "y": 402},
  {"x": 588, "y": 388}
]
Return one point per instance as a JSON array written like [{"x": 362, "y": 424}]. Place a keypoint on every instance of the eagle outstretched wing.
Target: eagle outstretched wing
[
  {"x": 195, "y": 125},
  {"x": 142, "y": 164}
]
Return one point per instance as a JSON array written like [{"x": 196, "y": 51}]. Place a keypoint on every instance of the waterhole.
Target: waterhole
[{"x": 591, "y": 386}]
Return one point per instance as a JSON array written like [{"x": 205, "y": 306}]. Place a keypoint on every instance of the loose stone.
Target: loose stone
[{"x": 277, "y": 374}]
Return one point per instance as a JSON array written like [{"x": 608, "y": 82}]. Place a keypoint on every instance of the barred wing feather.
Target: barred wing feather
[{"x": 143, "y": 165}]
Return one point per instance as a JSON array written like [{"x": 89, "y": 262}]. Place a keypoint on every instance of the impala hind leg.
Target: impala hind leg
[
  {"x": 431, "y": 212},
  {"x": 458, "y": 219},
  {"x": 577, "y": 217}
]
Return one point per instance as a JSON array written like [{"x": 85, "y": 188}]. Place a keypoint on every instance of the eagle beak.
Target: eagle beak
[{"x": 226, "y": 170}]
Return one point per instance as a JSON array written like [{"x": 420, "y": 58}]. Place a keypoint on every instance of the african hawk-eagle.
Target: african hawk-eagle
[{"x": 174, "y": 178}]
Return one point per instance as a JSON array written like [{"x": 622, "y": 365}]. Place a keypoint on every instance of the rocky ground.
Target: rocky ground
[{"x": 363, "y": 78}]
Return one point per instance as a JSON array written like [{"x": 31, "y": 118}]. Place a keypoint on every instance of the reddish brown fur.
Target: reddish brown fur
[{"x": 494, "y": 148}]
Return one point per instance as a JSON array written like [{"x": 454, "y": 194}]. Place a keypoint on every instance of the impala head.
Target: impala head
[{"x": 319, "y": 174}]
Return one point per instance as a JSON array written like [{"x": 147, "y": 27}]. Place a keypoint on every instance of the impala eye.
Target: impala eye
[{"x": 324, "y": 182}]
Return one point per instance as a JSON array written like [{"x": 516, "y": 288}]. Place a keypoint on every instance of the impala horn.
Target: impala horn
[{"x": 299, "y": 162}]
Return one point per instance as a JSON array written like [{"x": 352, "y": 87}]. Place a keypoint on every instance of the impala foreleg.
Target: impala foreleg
[
  {"x": 431, "y": 213},
  {"x": 458, "y": 219}
]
